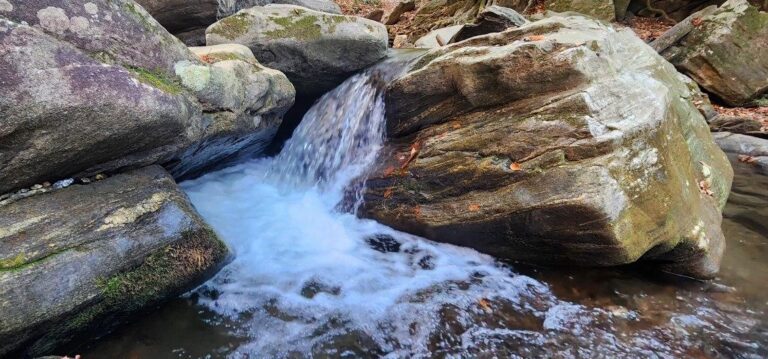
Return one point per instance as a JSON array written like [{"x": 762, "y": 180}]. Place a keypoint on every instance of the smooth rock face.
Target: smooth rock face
[
  {"x": 725, "y": 54},
  {"x": 491, "y": 19},
  {"x": 578, "y": 146},
  {"x": 738, "y": 144},
  {"x": 316, "y": 50},
  {"x": 76, "y": 261},
  {"x": 600, "y": 9},
  {"x": 120, "y": 93},
  {"x": 438, "y": 37}
]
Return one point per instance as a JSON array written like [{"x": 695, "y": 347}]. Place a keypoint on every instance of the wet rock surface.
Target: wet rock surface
[
  {"x": 613, "y": 311},
  {"x": 75, "y": 262},
  {"x": 316, "y": 50},
  {"x": 550, "y": 164}
]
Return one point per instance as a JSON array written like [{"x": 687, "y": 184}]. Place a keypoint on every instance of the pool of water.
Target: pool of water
[{"x": 633, "y": 312}]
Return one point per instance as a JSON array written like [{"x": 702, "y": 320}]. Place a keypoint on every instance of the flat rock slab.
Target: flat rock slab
[{"x": 75, "y": 261}]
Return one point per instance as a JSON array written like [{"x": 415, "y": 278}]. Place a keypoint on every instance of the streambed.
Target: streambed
[{"x": 310, "y": 279}]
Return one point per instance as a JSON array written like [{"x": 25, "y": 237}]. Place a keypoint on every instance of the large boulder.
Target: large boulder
[
  {"x": 98, "y": 86},
  {"x": 188, "y": 19},
  {"x": 316, "y": 50},
  {"x": 564, "y": 141},
  {"x": 76, "y": 261},
  {"x": 725, "y": 53}
]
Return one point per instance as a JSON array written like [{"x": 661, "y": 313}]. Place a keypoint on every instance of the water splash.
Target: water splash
[
  {"x": 309, "y": 280},
  {"x": 307, "y": 276}
]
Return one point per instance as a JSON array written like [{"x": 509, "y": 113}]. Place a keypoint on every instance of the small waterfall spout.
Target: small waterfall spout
[{"x": 307, "y": 277}]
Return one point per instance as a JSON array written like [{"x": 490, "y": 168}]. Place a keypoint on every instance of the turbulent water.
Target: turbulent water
[{"x": 311, "y": 280}]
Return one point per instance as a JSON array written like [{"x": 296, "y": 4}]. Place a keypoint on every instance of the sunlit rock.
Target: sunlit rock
[{"x": 564, "y": 141}]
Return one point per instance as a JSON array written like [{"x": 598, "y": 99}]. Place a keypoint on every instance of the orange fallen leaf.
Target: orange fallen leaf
[
  {"x": 704, "y": 187},
  {"x": 696, "y": 21},
  {"x": 514, "y": 166},
  {"x": 388, "y": 193},
  {"x": 747, "y": 159},
  {"x": 535, "y": 38},
  {"x": 485, "y": 304},
  {"x": 415, "y": 148},
  {"x": 389, "y": 171},
  {"x": 417, "y": 211},
  {"x": 473, "y": 207},
  {"x": 456, "y": 125}
]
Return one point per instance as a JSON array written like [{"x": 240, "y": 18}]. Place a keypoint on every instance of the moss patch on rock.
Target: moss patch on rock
[
  {"x": 157, "y": 80},
  {"x": 305, "y": 28},
  {"x": 232, "y": 27}
]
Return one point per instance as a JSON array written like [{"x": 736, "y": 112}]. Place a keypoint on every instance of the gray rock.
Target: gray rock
[
  {"x": 579, "y": 145},
  {"x": 75, "y": 261},
  {"x": 317, "y": 5},
  {"x": 188, "y": 20},
  {"x": 316, "y": 50},
  {"x": 725, "y": 53},
  {"x": 491, "y": 19},
  {"x": 438, "y": 37},
  {"x": 742, "y": 144},
  {"x": 69, "y": 109}
]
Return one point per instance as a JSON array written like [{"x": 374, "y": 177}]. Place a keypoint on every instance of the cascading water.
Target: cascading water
[
  {"x": 306, "y": 275},
  {"x": 310, "y": 280}
]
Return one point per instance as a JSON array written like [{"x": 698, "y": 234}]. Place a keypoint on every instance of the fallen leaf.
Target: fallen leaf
[
  {"x": 535, "y": 38},
  {"x": 389, "y": 171},
  {"x": 415, "y": 148},
  {"x": 388, "y": 193},
  {"x": 473, "y": 207},
  {"x": 704, "y": 187},
  {"x": 485, "y": 304},
  {"x": 514, "y": 166},
  {"x": 696, "y": 21},
  {"x": 417, "y": 211},
  {"x": 456, "y": 125},
  {"x": 747, "y": 159}
]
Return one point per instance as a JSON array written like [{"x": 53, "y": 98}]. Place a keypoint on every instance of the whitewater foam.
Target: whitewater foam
[{"x": 307, "y": 277}]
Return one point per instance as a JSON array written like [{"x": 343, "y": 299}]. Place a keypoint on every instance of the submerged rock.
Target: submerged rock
[
  {"x": 99, "y": 86},
  {"x": 725, "y": 53},
  {"x": 76, "y": 261},
  {"x": 565, "y": 141},
  {"x": 316, "y": 50}
]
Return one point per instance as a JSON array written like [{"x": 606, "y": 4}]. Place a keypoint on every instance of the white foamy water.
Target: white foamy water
[{"x": 308, "y": 279}]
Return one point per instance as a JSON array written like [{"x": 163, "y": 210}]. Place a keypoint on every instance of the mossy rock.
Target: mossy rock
[{"x": 83, "y": 259}]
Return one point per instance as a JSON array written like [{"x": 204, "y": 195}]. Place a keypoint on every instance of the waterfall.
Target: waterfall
[{"x": 308, "y": 277}]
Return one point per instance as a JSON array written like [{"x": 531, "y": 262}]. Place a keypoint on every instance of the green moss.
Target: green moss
[
  {"x": 305, "y": 28},
  {"x": 232, "y": 27},
  {"x": 14, "y": 262},
  {"x": 157, "y": 80},
  {"x": 143, "y": 18}
]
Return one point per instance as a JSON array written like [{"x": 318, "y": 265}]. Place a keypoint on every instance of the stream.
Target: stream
[{"x": 310, "y": 279}]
